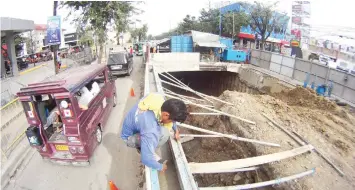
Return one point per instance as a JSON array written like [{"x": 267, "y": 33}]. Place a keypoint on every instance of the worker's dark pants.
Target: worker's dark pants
[{"x": 134, "y": 141}]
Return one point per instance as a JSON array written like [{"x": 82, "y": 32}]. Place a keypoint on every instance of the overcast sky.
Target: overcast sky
[{"x": 161, "y": 15}]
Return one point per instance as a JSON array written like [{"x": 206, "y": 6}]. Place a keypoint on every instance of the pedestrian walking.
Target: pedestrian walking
[
  {"x": 59, "y": 62},
  {"x": 131, "y": 50}
]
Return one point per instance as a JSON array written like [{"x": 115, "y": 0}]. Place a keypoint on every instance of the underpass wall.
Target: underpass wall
[{"x": 176, "y": 61}]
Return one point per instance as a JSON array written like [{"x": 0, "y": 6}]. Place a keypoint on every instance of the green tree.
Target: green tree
[
  {"x": 188, "y": 23},
  {"x": 264, "y": 19},
  {"x": 139, "y": 33},
  {"x": 100, "y": 15},
  {"x": 209, "y": 21},
  {"x": 236, "y": 20},
  {"x": 86, "y": 36}
]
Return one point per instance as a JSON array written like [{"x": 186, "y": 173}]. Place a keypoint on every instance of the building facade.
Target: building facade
[
  {"x": 247, "y": 32},
  {"x": 35, "y": 39}
]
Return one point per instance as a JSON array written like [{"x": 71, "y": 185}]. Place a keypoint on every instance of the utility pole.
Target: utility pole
[
  {"x": 233, "y": 28},
  {"x": 55, "y": 47}
]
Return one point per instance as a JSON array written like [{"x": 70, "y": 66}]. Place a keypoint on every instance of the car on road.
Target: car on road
[
  {"x": 120, "y": 63},
  {"x": 67, "y": 114},
  {"x": 22, "y": 62}
]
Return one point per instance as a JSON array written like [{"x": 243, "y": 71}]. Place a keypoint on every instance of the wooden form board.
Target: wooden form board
[
  {"x": 264, "y": 183},
  {"x": 247, "y": 162},
  {"x": 186, "y": 179}
]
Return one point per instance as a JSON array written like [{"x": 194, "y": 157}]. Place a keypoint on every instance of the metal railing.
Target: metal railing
[
  {"x": 13, "y": 126},
  {"x": 298, "y": 69}
]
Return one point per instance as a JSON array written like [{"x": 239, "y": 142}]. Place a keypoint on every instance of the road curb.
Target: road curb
[
  {"x": 32, "y": 69},
  {"x": 9, "y": 169}
]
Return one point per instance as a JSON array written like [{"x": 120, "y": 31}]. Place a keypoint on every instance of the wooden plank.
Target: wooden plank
[
  {"x": 284, "y": 130},
  {"x": 195, "y": 135},
  {"x": 235, "y": 170},
  {"x": 198, "y": 93},
  {"x": 184, "y": 86},
  {"x": 263, "y": 184},
  {"x": 341, "y": 173},
  {"x": 181, "y": 84},
  {"x": 203, "y": 113},
  {"x": 214, "y": 110},
  {"x": 247, "y": 162},
  {"x": 234, "y": 137},
  {"x": 186, "y": 139}
]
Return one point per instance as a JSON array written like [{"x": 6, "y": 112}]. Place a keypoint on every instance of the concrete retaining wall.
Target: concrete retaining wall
[
  {"x": 177, "y": 61},
  {"x": 297, "y": 69}
]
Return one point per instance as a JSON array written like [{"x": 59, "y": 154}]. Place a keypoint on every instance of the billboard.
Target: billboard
[
  {"x": 54, "y": 30},
  {"x": 70, "y": 37}
]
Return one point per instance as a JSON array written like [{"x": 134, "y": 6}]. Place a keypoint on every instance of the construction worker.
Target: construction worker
[{"x": 148, "y": 124}]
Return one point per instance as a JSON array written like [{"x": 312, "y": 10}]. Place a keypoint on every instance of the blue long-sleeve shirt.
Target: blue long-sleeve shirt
[{"x": 146, "y": 124}]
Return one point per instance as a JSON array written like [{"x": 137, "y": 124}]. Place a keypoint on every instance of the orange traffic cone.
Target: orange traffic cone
[
  {"x": 132, "y": 92},
  {"x": 112, "y": 186}
]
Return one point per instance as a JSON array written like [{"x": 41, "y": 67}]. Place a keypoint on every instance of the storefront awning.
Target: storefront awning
[
  {"x": 204, "y": 39},
  {"x": 247, "y": 36},
  {"x": 273, "y": 40},
  {"x": 211, "y": 44}
]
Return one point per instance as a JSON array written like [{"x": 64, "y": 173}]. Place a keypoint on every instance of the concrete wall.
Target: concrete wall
[
  {"x": 176, "y": 61},
  {"x": 297, "y": 69}
]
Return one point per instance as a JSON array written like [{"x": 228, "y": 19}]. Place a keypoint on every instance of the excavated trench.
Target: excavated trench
[{"x": 217, "y": 149}]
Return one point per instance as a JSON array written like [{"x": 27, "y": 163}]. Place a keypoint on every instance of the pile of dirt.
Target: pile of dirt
[
  {"x": 305, "y": 97},
  {"x": 298, "y": 110}
]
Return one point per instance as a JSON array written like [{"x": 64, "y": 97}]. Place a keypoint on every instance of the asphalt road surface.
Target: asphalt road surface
[{"x": 112, "y": 160}]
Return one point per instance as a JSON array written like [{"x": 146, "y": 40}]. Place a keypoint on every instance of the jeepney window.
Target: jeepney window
[
  {"x": 28, "y": 107},
  {"x": 86, "y": 94},
  {"x": 46, "y": 106}
]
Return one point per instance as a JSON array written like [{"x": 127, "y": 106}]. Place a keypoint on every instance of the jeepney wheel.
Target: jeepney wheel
[
  {"x": 98, "y": 135},
  {"x": 114, "y": 100}
]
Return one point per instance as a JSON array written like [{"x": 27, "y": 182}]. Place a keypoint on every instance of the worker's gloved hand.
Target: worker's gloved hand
[
  {"x": 165, "y": 165},
  {"x": 177, "y": 135}
]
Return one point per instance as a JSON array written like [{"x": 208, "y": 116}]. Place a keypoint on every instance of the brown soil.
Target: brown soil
[
  {"x": 331, "y": 129},
  {"x": 305, "y": 97}
]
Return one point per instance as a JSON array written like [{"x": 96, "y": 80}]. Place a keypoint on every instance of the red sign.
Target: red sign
[
  {"x": 296, "y": 20},
  {"x": 296, "y": 33}
]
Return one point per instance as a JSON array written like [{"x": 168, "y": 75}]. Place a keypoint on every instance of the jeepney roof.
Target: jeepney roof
[{"x": 70, "y": 80}]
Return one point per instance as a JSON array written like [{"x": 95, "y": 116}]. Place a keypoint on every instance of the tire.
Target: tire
[
  {"x": 114, "y": 100},
  {"x": 98, "y": 135}
]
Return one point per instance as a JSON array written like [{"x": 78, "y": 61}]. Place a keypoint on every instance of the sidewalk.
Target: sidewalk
[{"x": 34, "y": 74}]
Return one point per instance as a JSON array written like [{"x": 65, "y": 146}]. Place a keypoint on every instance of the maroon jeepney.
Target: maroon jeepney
[{"x": 67, "y": 113}]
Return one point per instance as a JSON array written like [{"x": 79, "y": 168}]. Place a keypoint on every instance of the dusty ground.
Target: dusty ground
[{"x": 328, "y": 127}]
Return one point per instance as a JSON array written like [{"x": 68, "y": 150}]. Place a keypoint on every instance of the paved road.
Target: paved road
[
  {"x": 112, "y": 160},
  {"x": 14, "y": 84}
]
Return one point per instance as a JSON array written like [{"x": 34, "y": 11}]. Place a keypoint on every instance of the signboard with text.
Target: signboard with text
[
  {"x": 54, "y": 30},
  {"x": 70, "y": 37}
]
